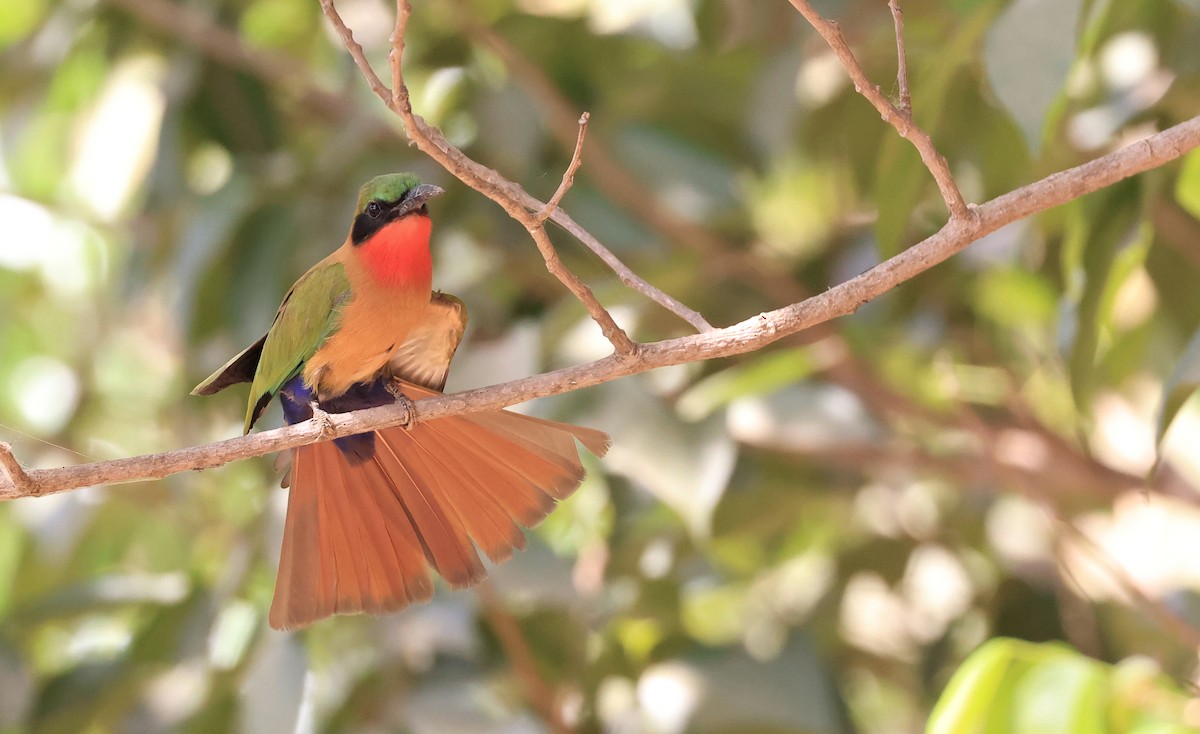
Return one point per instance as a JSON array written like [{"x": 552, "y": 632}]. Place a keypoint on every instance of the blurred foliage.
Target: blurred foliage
[
  {"x": 811, "y": 538},
  {"x": 1014, "y": 686}
]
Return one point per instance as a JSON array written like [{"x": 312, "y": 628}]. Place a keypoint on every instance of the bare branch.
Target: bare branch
[
  {"x": 199, "y": 29},
  {"x": 901, "y": 121},
  {"x": 720, "y": 260},
  {"x": 630, "y": 279},
  {"x": 505, "y": 193},
  {"x": 396, "y": 58},
  {"x": 510, "y": 196},
  {"x": 749, "y": 335},
  {"x": 568, "y": 179},
  {"x": 608, "y": 326},
  {"x": 12, "y": 471},
  {"x": 901, "y": 60},
  {"x": 356, "y": 51}
]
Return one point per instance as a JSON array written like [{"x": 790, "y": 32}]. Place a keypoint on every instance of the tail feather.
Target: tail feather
[
  {"x": 483, "y": 514},
  {"x": 419, "y": 489},
  {"x": 363, "y": 537},
  {"x": 526, "y": 498},
  {"x": 331, "y": 502}
]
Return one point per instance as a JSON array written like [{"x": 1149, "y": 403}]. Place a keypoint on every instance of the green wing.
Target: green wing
[{"x": 310, "y": 313}]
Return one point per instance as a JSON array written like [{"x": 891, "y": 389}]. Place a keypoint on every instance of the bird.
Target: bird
[{"x": 369, "y": 516}]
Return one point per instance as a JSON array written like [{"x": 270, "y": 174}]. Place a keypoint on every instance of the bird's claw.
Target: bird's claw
[
  {"x": 402, "y": 399},
  {"x": 324, "y": 423}
]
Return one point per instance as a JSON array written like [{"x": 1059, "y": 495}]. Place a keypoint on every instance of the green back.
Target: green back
[{"x": 310, "y": 313}]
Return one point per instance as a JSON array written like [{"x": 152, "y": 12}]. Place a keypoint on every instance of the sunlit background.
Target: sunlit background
[{"x": 810, "y": 538}]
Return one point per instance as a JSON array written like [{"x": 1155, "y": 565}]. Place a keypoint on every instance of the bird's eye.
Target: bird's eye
[{"x": 374, "y": 210}]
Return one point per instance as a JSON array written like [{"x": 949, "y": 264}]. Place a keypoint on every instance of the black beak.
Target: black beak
[{"x": 415, "y": 199}]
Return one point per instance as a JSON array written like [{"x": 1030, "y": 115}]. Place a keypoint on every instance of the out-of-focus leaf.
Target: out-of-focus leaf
[
  {"x": 972, "y": 699},
  {"x": 1028, "y": 54},
  {"x": 756, "y": 376},
  {"x": 903, "y": 182},
  {"x": 792, "y": 692},
  {"x": 17, "y": 19},
  {"x": 274, "y": 688},
  {"x": 1015, "y": 298},
  {"x": 1105, "y": 240},
  {"x": 809, "y": 417},
  {"x": 16, "y": 687},
  {"x": 686, "y": 178},
  {"x": 1187, "y": 186},
  {"x": 1065, "y": 693},
  {"x": 1181, "y": 385},
  {"x": 685, "y": 465},
  {"x": 1013, "y": 687}
]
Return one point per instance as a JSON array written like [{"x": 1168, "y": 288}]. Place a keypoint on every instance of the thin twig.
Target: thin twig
[
  {"x": 12, "y": 471},
  {"x": 568, "y": 179},
  {"x": 905, "y": 105},
  {"x": 902, "y": 122},
  {"x": 541, "y": 695},
  {"x": 719, "y": 261},
  {"x": 399, "y": 98},
  {"x": 518, "y": 203},
  {"x": 749, "y": 335},
  {"x": 608, "y": 326},
  {"x": 356, "y": 51},
  {"x": 200, "y": 30},
  {"x": 433, "y": 144}
]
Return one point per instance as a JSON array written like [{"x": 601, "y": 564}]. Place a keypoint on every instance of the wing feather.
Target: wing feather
[{"x": 309, "y": 315}]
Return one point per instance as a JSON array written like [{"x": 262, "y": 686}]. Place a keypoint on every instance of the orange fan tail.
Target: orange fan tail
[{"x": 362, "y": 537}]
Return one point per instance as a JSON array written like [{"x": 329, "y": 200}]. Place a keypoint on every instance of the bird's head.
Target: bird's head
[
  {"x": 387, "y": 200},
  {"x": 390, "y": 236}
]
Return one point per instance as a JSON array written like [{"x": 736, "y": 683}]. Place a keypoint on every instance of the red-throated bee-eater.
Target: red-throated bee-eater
[{"x": 368, "y": 515}]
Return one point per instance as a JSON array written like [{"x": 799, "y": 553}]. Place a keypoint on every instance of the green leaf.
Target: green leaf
[
  {"x": 1181, "y": 385},
  {"x": 1015, "y": 298},
  {"x": 1028, "y": 55},
  {"x": 904, "y": 181},
  {"x": 19, "y": 18},
  {"x": 1187, "y": 186},
  {"x": 1105, "y": 241},
  {"x": 972, "y": 701},
  {"x": 757, "y": 376},
  {"x": 1062, "y": 695}
]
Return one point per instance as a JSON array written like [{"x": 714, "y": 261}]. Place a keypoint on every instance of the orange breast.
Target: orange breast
[{"x": 383, "y": 310}]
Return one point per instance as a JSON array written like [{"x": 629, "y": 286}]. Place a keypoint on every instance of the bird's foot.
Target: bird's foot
[
  {"x": 401, "y": 399},
  {"x": 325, "y": 427}
]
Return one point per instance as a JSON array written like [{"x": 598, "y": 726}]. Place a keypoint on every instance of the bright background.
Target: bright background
[{"x": 806, "y": 539}]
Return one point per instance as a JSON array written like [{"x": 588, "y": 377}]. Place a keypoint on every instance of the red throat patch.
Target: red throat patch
[{"x": 398, "y": 255}]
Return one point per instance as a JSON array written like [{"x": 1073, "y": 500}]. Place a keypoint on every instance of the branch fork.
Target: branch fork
[
  {"x": 12, "y": 471},
  {"x": 900, "y": 117}
]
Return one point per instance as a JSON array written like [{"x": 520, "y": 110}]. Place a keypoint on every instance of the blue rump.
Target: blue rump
[{"x": 297, "y": 399}]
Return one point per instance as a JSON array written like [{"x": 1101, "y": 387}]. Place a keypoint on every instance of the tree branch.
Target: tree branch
[
  {"x": 901, "y": 60},
  {"x": 568, "y": 179},
  {"x": 900, "y": 120},
  {"x": 431, "y": 141},
  {"x": 13, "y": 473},
  {"x": 749, "y": 335},
  {"x": 518, "y": 203}
]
